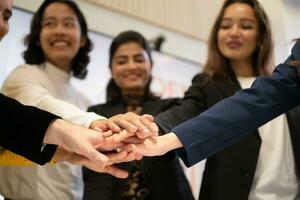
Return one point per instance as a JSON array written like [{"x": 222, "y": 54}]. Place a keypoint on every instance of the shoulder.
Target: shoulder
[
  {"x": 159, "y": 105},
  {"x": 24, "y": 71},
  {"x": 99, "y": 107}
]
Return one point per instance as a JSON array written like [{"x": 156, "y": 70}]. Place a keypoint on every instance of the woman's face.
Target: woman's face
[
  {"x": 131, "y": 67},
  {"x": 60, "y": 36},
  {"x": 238, "y": 32},
  {"x": 5, "y": 14}
]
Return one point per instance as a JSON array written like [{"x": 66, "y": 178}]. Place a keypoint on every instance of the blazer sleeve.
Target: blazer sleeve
[
  {"x": 22, "y": 130},
  {"x": 239, "y": 115},
  {"x": 190, "y": 106}
]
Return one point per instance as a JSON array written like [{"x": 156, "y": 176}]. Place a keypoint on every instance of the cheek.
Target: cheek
[
  {"x": 3, "y": 31},
  {"x": 221, "y": 37}
]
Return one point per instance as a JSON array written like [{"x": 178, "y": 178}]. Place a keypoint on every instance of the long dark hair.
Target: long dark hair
[
  {"x": 34, "y": 53},
  {"x": 296, "y": 63},
  {"x": 218, "y": 65},
  {"x": 113, "y": 91}
]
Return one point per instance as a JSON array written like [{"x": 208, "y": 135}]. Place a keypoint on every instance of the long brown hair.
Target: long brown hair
[
  {"x": 295, "y": 63},
  {"x": 218, "y": 65}
]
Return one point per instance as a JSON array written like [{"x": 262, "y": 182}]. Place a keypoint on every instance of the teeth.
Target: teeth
[{"x": 60, "y": 44}]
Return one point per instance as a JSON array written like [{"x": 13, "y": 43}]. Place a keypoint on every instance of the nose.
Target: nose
[
  {"x": 235, "y": 31},
  {"x": 131, "y": 64},
  {"x": 59, "y": 29}
]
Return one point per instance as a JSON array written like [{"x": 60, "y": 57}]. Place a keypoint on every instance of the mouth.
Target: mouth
[
  {"x": 234, "y": 44},
  {"x": 132, "y": 76},
  {"x": 59, "y": 43}
]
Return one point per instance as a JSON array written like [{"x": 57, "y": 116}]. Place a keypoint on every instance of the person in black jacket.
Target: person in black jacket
[
  {"x": 264, "y": 163},
  {"x": 239, "y": 50},
  {"x": 130, "y": 63}
]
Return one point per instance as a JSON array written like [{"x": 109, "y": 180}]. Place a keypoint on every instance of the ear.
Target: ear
[{"x": 82, "y": 41}]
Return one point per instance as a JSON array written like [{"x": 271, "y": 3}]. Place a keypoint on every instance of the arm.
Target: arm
[
  {"x": 232, "y": 118},
  {"x": 190, "y": 106},
  {"x": 239, "y": 115},
  {"x": 23, "y": 128}
]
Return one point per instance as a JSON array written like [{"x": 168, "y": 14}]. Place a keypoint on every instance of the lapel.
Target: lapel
[
  {"x": 227, "y": 87},
  {"x": 114, "y": 109},
  {"x": 296, "y": 51},
  {"x": 294, "y": 127}
]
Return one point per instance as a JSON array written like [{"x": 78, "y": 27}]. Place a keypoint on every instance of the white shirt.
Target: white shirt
[
  {"x": 46, "y": 87},
  {"x": 275, "y": 176}
]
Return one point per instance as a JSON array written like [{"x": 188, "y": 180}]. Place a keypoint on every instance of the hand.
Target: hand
[
  {"x": 156, "y": 146},
  {"x": 135, "y": 125},
  {"x": 123, "y": 156},
  {"x": 78, "y": 146}
]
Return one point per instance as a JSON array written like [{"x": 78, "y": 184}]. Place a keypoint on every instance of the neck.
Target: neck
[
  {"x": 133, "y": 97},
  {"x": 65, "y": 66},
  {"x": 242, "y": 68}
]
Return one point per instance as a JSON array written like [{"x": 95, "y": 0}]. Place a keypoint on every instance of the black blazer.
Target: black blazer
[
  {"x": 165, "y": 180},
  {"x": 22, "y": 130},
  {"x": 229, "y": 173}
]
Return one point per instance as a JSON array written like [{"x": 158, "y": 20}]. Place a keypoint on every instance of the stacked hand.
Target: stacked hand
[{"x": 97, "y": 149}]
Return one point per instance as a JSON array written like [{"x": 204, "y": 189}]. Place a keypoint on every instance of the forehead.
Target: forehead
[
  {"x": 239, "y": 11},
  {"x": 59, "y": 10},
  {"x": 6, "y": 5},
  {"x": 129, "y": 48}
]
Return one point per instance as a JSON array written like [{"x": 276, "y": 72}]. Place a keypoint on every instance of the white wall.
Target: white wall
[{"x": 111, "y": 23}]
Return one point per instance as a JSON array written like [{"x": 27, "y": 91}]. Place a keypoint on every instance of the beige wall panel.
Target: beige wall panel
[{"x": 190, "y": 17}]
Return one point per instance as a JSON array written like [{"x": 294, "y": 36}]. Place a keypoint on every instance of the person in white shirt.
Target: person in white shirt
[{"x": 57, "y": 49}]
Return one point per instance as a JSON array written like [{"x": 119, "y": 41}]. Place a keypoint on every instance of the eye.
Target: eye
[
  {"x": 247, "y": 25},
  {"x": 69, "y": 24},
  {"x": 225, "y": 25},
  {"x": 140, "y": 59},
  {"x": 48, "y": 23},
  {"x": 6, "y": 16}
]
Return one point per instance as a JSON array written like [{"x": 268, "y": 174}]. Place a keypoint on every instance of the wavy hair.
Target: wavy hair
[{"x": 34, "y": 53}]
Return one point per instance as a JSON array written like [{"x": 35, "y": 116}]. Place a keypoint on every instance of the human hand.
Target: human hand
[
  {"x": 135, "y": 125},
  {"x": 79, "y": 145},
  {"x": 156, "y": 146}
]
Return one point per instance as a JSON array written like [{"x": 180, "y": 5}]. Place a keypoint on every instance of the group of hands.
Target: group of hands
[{"x": 121, "y": 138}]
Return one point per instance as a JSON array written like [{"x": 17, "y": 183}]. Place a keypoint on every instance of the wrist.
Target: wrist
[
  {"x": 170, "y": 142},
  {"x": 54, "y": 132}
]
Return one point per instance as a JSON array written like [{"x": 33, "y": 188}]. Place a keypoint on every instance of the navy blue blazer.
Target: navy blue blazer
[
  {"x": 22, "y": 130},
  {"x": 237, "y": 116}
]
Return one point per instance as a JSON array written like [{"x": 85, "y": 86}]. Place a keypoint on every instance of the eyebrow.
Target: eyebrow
[
  {"x": 242, "y": 19},
  {"x": 52, "y": 17}
]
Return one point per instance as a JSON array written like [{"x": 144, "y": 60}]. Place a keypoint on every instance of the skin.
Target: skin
[
  {"x": 60, "y": 37},
  {"x": 238, "y": 36},
  {"x": 131, "y": 68},
  {"x": 5, "y": 14}
]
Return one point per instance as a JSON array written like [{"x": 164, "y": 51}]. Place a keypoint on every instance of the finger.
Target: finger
[
  {"x": 116, "y": 157},
  {"x": 150, "y": 124},
  {"x": 108, "y": 133},
  {"x": 127, "y": 148},
  {"x": 122, "y": 135},
  {"x": 138, "y": 156},
  {"x": 133, "y": 140},
  {"x": 113, "y": 126},
  {"x": 92, "y": 154},
  {"x": 149, "y": 117},
  {"x": 131, "y": 156},
  {"x": 117, "y": 172},
  {"x": 125, "y": 124}
]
